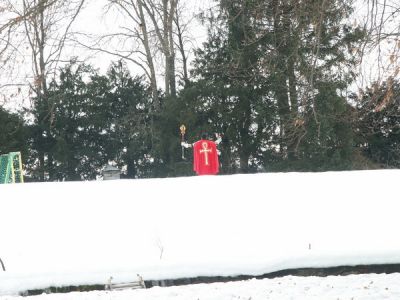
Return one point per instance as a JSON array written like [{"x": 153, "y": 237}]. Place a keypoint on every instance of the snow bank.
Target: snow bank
[{"x": 55, "y": 234}]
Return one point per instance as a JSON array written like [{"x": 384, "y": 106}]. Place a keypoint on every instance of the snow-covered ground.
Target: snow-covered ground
[
  {"x": 57, "y": 234},
  {"x": 356, "y": 287}
]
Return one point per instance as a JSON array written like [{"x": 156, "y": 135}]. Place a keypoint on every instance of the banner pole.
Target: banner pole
[{"x": 183, "y": 131}]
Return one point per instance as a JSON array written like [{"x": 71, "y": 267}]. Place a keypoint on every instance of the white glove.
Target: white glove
[{"x": 186, "y": 145}]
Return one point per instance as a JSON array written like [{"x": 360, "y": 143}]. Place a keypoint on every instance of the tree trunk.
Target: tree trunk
[
  {"x": 165, "y": 37},
  {"x": 280, "y": 84},
  {"x": 170, "y": 39},
  {"x": 171, "y": 76},
  {"x": 245, "y": 141},
  {"x": 181, "y": 48},
  {"x": 2, "y": 265},
  {"x": 149, "y": 57}
]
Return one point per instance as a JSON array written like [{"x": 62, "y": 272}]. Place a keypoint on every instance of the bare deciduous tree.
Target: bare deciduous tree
[
  {"x": 379, "y": 19},
  {"x": 184, "y": 41},
  {"x": 46, "y": 32},
  {"x": 140, "y": 38},
  {"x": 156, "y": 32},
  {"x": 162, "y": 14},
  {"x": 40, "y": 30},
  {"x": 33, "y": 33},
  {"x": 13, "y": 42}
]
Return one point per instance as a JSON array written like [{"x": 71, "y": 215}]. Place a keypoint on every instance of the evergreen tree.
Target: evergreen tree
[
  {"x": 13, "y": 134},
  {"x": 130, "y": 122},
  {"x": 270, "y": 79},
  {"x": 76, "y": 134},
  {"x": 228, "y": 96},
  {"x": 97, "y": 119},
  {"x": 378, "y": 125}
]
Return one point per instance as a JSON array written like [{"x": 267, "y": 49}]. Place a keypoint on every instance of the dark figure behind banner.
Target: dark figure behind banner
[{"x": 205, "y": 155}]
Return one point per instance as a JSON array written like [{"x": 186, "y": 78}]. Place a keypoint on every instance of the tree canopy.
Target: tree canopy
[{"x": 274, "y": 78}]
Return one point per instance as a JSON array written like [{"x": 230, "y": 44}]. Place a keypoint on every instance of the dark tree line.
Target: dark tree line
[
  {"x": 272, "y": 78},
  {"x": 95, "y": 119}
]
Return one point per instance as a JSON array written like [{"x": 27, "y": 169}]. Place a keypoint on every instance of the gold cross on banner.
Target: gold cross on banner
[{"x": 205, "y": 150}]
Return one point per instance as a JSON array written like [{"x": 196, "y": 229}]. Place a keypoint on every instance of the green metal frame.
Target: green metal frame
[{"x": 11, "y": 168}]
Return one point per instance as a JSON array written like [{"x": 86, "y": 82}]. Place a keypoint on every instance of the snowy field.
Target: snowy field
[
  {"x": 356, "y": 287},
  {"x": 75, "y": 233}
]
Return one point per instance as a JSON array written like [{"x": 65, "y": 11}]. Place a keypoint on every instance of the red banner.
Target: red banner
[{"x": 205, "y": 158}]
